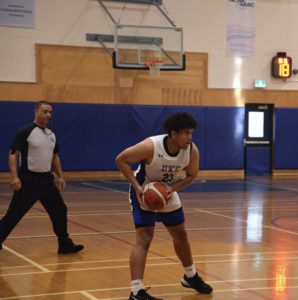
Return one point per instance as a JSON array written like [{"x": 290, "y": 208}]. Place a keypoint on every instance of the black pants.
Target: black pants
[{"x": 26, "y": 197}]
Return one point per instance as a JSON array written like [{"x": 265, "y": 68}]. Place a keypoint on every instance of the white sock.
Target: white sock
[
  {"x": 190, "y": 271},
  {"x": 136, "y": 285}
]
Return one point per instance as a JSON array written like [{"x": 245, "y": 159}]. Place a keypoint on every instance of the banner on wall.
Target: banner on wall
[
  {"x": 241, "y": 28},
  {"x": 17, "y": 13}
]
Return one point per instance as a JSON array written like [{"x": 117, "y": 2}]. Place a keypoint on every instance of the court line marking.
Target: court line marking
[
  {"x": 124, "y": 202},
  {"x": 125, "y": 212},
  {"x": 160, "y": 258},
  {"x": 127, "y": 232},
  {"x": 15, "y": 267},
  {"x": 184, "y": 198},
  {"x": 198, "y": 183},
  {"x": 214, "y": 292},
  {"x": 187, "y": 209},
  {"x": 100, "y": 202},
  {"x": 174, "y": 256},
  {"x": 158, "y": 264},
  {"x": 102, "y": 213},
  {"x": 119, "y": 232},
  {"x": 103, "y": 187},
  {"x": 88, "y": 295},
  {"x": 160, "y": 285},
  {"x": 30, "y": 261},
  {"x": 244, "y": 221},
  {"x": 195, "y": 183},
  {"x": 66, "y": 270},
  {"x": 115, "y": 182},
  {"x": 149, "y": 264},
  {"x": 278, "y": 187},
  {"x": 71, "y": 204}
]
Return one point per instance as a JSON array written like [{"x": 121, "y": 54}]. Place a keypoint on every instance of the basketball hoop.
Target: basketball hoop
[{"x": 154, "y": 66}]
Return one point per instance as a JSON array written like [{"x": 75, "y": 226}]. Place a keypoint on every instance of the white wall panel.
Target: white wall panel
[{"x": 204, "y": 22}]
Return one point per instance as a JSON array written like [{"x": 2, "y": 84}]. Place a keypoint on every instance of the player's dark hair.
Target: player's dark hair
[
  {"x": 179, "y": 121},
  {"x": 40, "y": 103}
]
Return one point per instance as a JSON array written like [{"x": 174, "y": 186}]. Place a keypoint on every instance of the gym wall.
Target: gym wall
[
  {"x": 91, "y": 135},
  {"x": 57, "y": 64}
]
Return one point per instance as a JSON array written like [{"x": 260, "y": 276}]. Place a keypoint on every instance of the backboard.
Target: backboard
[{"x": 135, "y": 45}]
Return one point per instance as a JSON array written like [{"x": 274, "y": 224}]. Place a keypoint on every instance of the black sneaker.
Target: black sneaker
[
  {"x": 196, "y": 283},
  {"x": 68, "y": 246},
  {"x": 142, "y": 295}
]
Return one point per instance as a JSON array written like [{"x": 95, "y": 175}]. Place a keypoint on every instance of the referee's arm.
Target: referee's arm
[{"x": 13, "y": 159}]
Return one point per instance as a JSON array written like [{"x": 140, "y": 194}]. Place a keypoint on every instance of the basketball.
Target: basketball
[{"x": 155, "y": 195}]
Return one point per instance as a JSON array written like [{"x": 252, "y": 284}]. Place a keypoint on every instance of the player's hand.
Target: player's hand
[
  {"x": 139, "y": 193},
  {"x": 61, "y": 183},
  {"x": 16, "y": 183},
  {"x": 169, "y": 191}
]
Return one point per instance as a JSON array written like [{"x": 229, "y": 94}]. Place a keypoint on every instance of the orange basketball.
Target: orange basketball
[{"x": 155, "y": 195}]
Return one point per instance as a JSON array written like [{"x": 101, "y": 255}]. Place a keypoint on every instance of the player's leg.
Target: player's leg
[
  {"x": 21, "y": 202},
  {"x": 183, "y": 251},
  {"x": 174, "y": 222},
  {"x": 181, "y": 244},
  {"x": 144, "y": 222},
  {"x": 53, "y": 203},
  {"x": 144, "y": 236}
]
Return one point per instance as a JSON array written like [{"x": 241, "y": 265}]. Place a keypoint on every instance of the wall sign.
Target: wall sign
[{"x": 17, "y": 13}]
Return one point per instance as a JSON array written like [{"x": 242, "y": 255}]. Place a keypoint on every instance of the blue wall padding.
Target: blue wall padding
[
  {"x": 143, "y": 121},
  {"x": 286, "y": 142},
  {"x": 91, "y": 135},
  {"x": 224, "y": 137},
  {"x": 13, "y": 115},
  {"x": 258, "y": 161},
  {"x": 69, "y": 125}
]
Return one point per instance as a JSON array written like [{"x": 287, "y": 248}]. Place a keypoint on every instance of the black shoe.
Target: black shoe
[
  {"x": 196, "y": 283},
  {"x": 142, "y": 295},
  {"x": 68, "y": 246}
]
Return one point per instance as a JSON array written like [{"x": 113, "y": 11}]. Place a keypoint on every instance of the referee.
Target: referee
[{"x": 36, "y": 146}]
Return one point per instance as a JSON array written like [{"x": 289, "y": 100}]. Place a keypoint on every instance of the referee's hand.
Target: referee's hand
[
  {"x": 15, "y": 183},
  {"x": 61, "y": 183}
]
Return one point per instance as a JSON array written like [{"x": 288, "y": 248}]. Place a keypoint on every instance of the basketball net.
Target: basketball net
[{"x": 154, "y": 66}]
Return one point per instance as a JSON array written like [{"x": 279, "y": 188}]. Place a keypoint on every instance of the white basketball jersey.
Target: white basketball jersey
[{"x": 165, "y": 167}]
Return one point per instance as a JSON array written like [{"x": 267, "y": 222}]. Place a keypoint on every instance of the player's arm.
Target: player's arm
[
  {"x": 142, "y": 151},
  {"x": 191, "y": 171},
  {"x": 57, "y": 169},
  {"x": 13, "y": 159}
]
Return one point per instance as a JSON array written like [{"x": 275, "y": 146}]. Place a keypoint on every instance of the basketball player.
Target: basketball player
[
  {"x": 161, "y": 158},
  {"x": 36, "y": 146}
]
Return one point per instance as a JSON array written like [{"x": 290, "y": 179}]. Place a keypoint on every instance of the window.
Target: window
[{"x": 256, "y": 124}]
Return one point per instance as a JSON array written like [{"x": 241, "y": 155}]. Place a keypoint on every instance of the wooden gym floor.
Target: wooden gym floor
[{"x": 244, "y": 237}]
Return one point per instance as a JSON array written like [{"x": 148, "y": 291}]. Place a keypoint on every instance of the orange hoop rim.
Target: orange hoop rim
[{"x": 153, "y": 62}]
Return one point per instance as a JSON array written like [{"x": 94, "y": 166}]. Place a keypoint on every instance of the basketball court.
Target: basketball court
[
  {"x": 243, "y": 235},
  {"x": 112, "y": 90}
]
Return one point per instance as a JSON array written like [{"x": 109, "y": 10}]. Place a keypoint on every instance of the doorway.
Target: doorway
[{"x": 258, "y": 142}]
